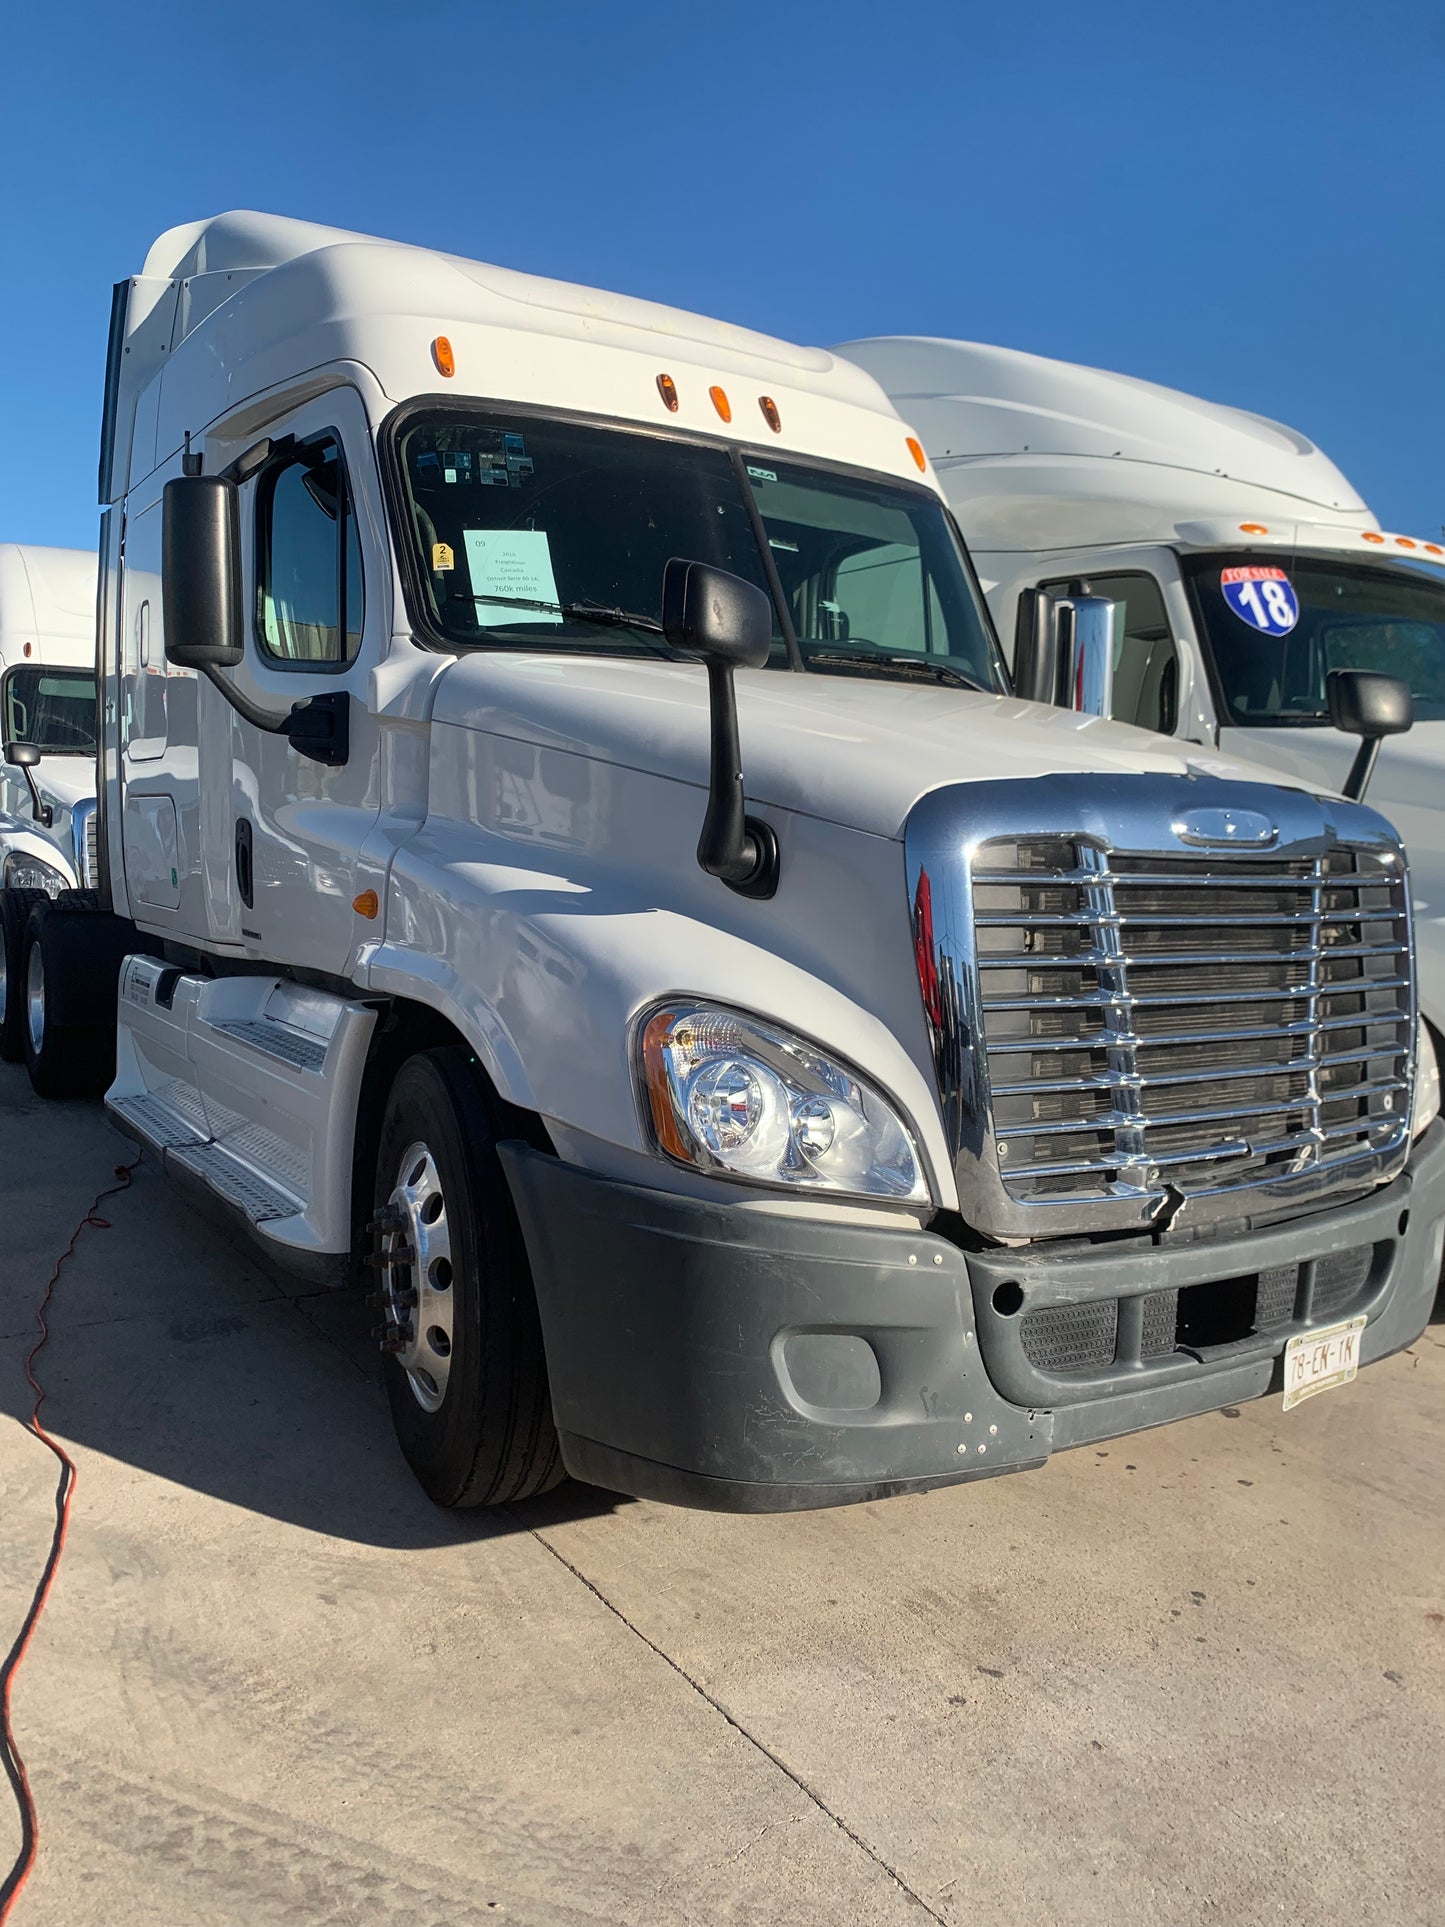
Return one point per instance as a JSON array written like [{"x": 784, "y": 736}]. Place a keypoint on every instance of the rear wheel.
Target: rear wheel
[
  {"x": 14, "y": 911},
  {"x": 465, "y": 1372}
]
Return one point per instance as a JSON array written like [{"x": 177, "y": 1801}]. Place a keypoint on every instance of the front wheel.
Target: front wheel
[
  {"x": 14, "y": 913},
  {"x": 465, "y": 1371}
]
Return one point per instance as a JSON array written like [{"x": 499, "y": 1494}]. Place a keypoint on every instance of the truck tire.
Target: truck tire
[
  {"x": 14, "y": 911},
  {"x": 465, "y": 1370},
  {"x": 71, "y": 960}
]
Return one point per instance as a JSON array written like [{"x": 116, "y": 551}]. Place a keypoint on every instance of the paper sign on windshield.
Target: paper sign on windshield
[
  {"x": 508, "y": 563},
  {"x": 1261, "y": 596}
]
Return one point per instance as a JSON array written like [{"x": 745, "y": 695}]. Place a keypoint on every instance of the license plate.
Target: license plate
[{"x": 1319, "y": 1361}]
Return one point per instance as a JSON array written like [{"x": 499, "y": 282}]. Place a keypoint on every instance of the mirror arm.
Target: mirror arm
[
  {"x": 1362, "y": 769},
  {"x": 317, "y": 726},
  {"x": 740, "y": 850},
  {"x": 42, "y": 812}
]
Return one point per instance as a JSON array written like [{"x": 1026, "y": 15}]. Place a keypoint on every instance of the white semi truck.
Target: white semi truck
[
  {"x": 595, "y": 877},
  {"x": 47, "y": 746},
  {"x": 1244, "y": 568}
]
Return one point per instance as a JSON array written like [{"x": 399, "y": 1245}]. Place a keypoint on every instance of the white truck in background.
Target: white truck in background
[
  {"x": 595, "y": 877},
  {"x": 47, "y": 746},
  {"x": 1244, "y": 568}
]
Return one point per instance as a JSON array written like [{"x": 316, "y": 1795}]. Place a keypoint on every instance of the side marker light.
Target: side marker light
[
  {"x": 770, "y": 413},
  {"x": 365, "y": 905},
  {"x": 915, "y": 449},
  {"x": 721, "y": 403},
  {"x": 1369, "y": 535},
  {"x": 441, "y": 354},
  {"x": 1254, "y": 528},
  {"x": 667, "y": 388}
]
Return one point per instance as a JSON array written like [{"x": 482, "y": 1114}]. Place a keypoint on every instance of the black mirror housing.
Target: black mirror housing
[
  {"x": 716, "y": 615},
  {"x": 1365, "y": 703},
  {"x": 729, "y": 623},
  {"x": 22, "y": 755},
  {"x": 201, "y": 572}
]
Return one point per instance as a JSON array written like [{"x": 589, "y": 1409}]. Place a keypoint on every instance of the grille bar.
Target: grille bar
[{"x": 1123, "y": 1080}]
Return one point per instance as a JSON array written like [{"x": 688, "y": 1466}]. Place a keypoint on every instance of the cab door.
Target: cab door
[{"x": 282, "y": 831}]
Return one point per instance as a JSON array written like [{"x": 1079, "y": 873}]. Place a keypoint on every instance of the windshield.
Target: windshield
[
  {"x": 52, "y": 708},
  {"x": 1276, "y": 628},
  {"x": 554, "y": 535}
]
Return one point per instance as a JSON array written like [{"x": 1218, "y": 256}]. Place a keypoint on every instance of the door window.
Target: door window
[
  {"x": 1146, "y": 662},
  {"x": 308, "y": 574}
]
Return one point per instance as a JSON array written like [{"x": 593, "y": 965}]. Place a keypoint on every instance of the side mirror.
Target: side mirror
[
  {"x": 729, "y": 623},
  {"x": 26, "y": 756},
  {"x": 201, "y": 572},
  {"x": 1064, "y": 650},
  {"x": 1370, "y": 706}
]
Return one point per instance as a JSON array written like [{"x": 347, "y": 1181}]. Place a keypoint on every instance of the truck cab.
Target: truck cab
[
  {"x": 578, "y": 863},
  {"x": 47, "y": 743},
  {"x": 1243, "y": 566}
]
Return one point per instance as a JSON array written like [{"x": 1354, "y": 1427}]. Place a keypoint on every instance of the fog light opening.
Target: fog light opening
[{"x": 1007, "y": 1299}]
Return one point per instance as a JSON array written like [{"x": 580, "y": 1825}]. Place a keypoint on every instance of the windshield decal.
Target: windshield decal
[
  {"x": 504, "y": 563},
  {"x": 1263, "y": 597}
]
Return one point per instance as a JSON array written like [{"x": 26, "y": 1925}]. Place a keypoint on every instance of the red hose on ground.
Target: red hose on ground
[{"x": 64, "y": 1493}]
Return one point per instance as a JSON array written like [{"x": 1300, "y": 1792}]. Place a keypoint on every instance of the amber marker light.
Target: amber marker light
[
  {"x": 721, "y": 403},
  {"x": 441, "y": 354},
  {"x": 1404, "y": 542},
  {"x": 915, "y": 449},
  {"x": 770, "y": 413},
  {"x": 1434, "y": 548},
  {"x": 667, "y": 388},
  {"x": 1369, "y": 535},
  {"x": 659, "y": 1096},
  {"x": 1254, "y": 528},
  {"x": 366, "y": 905}
]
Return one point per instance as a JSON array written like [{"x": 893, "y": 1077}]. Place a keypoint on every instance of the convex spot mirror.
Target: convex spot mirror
[
  {"x": 1366, "y": 704},
  {"x": 201, "y": 572}
]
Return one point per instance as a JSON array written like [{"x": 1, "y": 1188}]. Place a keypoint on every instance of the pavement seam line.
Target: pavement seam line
[{"x": 742, "y": 1731}]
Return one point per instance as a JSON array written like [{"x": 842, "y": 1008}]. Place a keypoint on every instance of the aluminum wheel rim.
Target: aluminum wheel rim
[
  {"x": 416, "y": 1282},
  {"x": 35, "y": 999}
]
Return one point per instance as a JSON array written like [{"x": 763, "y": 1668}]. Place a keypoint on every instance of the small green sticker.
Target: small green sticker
[
  {"x": 762, "y": 474},
  {"x": 175, "y": 883}
]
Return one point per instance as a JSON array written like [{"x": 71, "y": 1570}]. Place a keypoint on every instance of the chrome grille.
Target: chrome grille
[
  {"x": 1122, "y": 1027},
  {"x": 91, "y": 877},
  {"x": 1198, "y": 1020}
]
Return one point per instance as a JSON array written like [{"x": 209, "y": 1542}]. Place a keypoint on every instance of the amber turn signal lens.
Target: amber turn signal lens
[
  {"x": 915, "y": 449},
  {"x": 654, "y": 1072},
  {"x": 365, "y": 905},
  {"x": 721, "y": 403},
  {"x": 1431, "y": 548},
  {"x": 770, "y": 413},
  {"x": 441, "y": 354},
  {"x": 1254, "y": 528},
  {"x": 1370, "y": 536},
  {"x": 1404, "y": 542},
  {"x": 667, "y": 388}
]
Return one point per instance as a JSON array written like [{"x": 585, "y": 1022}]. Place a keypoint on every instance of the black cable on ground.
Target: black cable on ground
[{"x": 64, "y": 1493}]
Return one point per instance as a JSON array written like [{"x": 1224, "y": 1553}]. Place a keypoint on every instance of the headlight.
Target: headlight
[
  {"x": 733, "y": 1096},
  {"x": 1427, "y": 1081},
  {"x": 25, "y": 872}
]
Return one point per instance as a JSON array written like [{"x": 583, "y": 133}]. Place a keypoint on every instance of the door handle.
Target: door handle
[{"x": 245, "y": 874}]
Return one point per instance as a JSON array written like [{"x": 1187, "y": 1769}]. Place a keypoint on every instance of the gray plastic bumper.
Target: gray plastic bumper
[{"x": 717, "y": 1355}]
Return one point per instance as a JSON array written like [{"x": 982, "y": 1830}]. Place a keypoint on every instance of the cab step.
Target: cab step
[{"x": 246, "y": 1088}]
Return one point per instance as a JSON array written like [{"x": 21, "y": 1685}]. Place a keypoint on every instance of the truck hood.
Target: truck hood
[
  {"x": 66, "y": 780},
  {"x": 852, "y": 750}
]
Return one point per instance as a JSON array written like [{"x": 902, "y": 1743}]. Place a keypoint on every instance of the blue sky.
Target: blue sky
[{"x": 1239, "y": 200}]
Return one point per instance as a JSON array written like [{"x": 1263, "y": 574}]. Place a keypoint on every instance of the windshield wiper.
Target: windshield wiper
[
  {"x": 596, "y": 612},
  {"x": 877, "y": 664}
]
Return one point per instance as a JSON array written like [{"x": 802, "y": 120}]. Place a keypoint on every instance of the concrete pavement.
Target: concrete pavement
[{"x": 1198, "y": 1675}]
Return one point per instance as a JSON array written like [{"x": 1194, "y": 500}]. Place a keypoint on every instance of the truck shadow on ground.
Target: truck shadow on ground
[{"x": 174, "y": 1350}]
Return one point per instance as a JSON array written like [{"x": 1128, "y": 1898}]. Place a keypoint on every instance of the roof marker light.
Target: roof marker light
[
  {"x": 770, "y": 413},
  {"x": 441, "y": 354},
  {"x": 667, "y": 388},
  {"x": 365, "y": 905},
  {"x": 721, "y": 403},
  {"x": 1433, "y": 548},
  {"x": 1254, "y": 528},
  {"x": 1369, "y": 535},
  {"x": 915, "y": 449},
  {"x": 1404, "y": 542}
]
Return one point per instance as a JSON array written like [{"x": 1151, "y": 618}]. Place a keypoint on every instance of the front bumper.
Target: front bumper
[{"x": 713, "y": 1354}]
